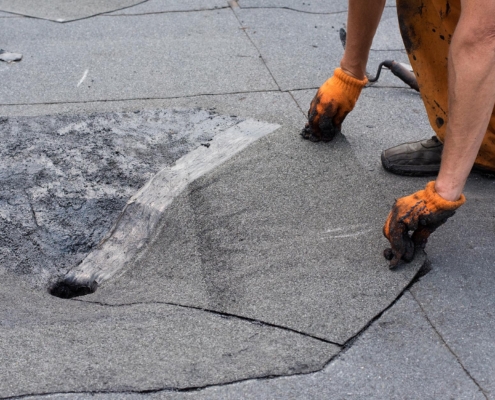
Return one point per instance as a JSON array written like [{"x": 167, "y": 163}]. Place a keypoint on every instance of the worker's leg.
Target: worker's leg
[
  {"x": 338, "y": 95},
  {"x": 427, "y": 27},
  {"x": 486, "y": 156}
]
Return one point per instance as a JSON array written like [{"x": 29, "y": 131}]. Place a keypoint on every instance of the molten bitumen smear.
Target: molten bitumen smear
[
  {"x": 64, "y": 179},
  {"x": 142, "y": 213}
]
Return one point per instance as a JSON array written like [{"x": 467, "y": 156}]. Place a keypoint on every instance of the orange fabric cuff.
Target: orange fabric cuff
[
  {"x": 434, "y": 200},
  {"x": 351, "y": 85}
]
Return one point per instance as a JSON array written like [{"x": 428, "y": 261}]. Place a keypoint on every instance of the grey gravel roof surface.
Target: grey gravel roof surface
[{"x": 265, "y": 278}]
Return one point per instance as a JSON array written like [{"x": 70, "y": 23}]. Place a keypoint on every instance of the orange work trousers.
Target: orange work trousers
[{"x": 427, "y": 27}]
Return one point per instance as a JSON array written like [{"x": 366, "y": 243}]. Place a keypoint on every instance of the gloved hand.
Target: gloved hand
[
  {"x": 421, "y": 212},
  {"x": 335, "y": 99}
]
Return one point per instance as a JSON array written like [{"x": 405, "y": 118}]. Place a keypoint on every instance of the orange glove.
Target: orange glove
[
  {"x": 335, "y": 99},
  {"x": 421, "y": 212}
]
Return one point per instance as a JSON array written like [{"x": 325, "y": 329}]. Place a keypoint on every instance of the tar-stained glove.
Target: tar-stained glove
[
  {"x": 420, "y": 213},
  {"x": 335, "y": 99}
]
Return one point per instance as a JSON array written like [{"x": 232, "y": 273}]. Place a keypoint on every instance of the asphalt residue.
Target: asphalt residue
[{"x": 65, "y": 178}]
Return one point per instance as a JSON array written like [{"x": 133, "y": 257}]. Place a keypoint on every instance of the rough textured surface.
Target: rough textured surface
[
  {"x": 65, "y": 179},
  {"x": 253, "y": 238},
  {"x": 161, "y": 56},
  {"x": 9, "y": 57},
  {"x": 139, "y": 219},
  {"x": 313, "y": 6},
  {"x": 50, "y": 345},
  {"x": 387, "y": 79},
  {"x": 316, "y": 7},
  {"x": 204, "y": 68},
  {"x": 9, "y": 15},
  {"x": 399, "y": 357},
  {"x": 274, "y": 107},
  {"x": 458, "y": 295},
  {"x": 64, "y": 10},
  {"x": 302, "y": 52},
  {"x": 279, "y": 107},
  {"x": 160, "y": 6},
  {"x": 381, "y": 119},
  {"x": 388, "y": 36}
]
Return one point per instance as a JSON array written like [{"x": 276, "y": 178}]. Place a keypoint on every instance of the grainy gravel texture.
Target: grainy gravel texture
[
  {"x": 64, "y": 10},
  {"x": 263, "y": 60},
  {"x": 64, "y": 179}
]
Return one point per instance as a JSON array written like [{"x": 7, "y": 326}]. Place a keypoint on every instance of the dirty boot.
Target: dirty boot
[{"x": 420, "y": 158}]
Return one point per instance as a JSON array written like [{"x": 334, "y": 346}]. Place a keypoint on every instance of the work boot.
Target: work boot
[{"x": 420, "y": 158}]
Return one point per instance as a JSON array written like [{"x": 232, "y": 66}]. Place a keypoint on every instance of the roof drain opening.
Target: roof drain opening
[{"x": 71, "y": 287}]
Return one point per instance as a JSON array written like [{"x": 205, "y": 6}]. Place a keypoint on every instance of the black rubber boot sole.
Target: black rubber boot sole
[
  {"x": 410, "y": 170},
  {"x": 420, "y": 158}
]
